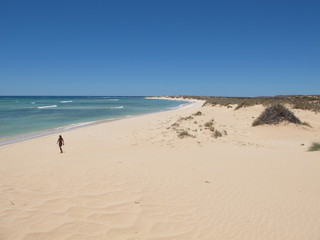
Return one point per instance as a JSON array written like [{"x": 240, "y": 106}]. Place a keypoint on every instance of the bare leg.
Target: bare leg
[{"x": 60, "y": 149}]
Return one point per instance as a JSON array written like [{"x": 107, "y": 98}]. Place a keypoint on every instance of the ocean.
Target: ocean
[{"x": 24, "y": 117}]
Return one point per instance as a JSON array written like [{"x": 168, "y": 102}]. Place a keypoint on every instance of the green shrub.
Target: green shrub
[
  {"x": 240, "y": 105},
  {"x": 184, "y": 134},
  {"x": 175, "y": 125},
  {"x": 276, "y": 114},
  {"x": 217, "y": 134},
  {"x": 306, "y": 124},
  {"x": 185, "y": 118},
  {"x": 211, "y": 128},
  {"x": 198, "y": 113},
  {"x": 315, "y": 147},
  {"x": 209, "y": 124}
]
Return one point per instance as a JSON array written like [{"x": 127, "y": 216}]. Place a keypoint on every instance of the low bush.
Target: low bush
[
  {"x": 217, "y": 134},
  {"x": 276, "y": 114},
  {"x": 307, "y": 124},
  {"x": 315, "y": 147},
  {"x": 185, "y": 118},
  {"x": 211, "y": 128},
  {"x": 209, "y": 124},
  {"x": 198, "y": 113},
  {"x": 183, "y": 134}
]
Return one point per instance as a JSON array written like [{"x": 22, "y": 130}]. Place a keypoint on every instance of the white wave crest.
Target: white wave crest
[
  {"x": 66, "y": 101},
  {"x": 51, "y": 106},
  {"x": 76, "y": 125},
  {"x": 177, "y": 107},
  {"x": 119, "y": 107},
  {"x": 109, "y": 98}
]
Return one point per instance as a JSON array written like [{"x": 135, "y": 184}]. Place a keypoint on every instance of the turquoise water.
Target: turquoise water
[{"x": 26, "y": 117}]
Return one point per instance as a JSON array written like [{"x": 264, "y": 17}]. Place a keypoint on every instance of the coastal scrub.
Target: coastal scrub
[
  {"x": 275, "y": 114},
  {"x": 315, "y": 147}
]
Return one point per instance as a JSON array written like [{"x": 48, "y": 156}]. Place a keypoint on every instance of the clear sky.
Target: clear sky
[{"x": 159, "y": 47}]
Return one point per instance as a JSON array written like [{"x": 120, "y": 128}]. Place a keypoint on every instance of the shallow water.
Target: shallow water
[{"x": 25, "y": 117}]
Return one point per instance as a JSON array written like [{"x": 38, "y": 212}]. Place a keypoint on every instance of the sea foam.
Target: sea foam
[
  {"x": 119, "y": 107},
  {"x": 75, "y": 125},
  {"x": 50, "y": 106}
]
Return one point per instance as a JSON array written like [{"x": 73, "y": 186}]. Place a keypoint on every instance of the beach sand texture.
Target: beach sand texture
[{"x": 137, "y": 179}]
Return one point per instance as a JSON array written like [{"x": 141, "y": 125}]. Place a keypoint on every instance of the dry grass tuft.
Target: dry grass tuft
[
  {"x": 184, "y": 134},
  {"x": 209, "y": 124},
  {"x": 217, "y": 134},
  {"x": 198, "y": 113}
]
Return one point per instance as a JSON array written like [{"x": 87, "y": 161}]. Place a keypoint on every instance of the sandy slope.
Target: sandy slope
[{"x": 136, "y": 179}]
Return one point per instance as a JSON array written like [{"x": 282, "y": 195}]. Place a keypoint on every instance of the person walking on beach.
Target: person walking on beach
[{"x": 60, "y": 142}]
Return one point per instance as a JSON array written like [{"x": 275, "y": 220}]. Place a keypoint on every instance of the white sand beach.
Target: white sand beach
[{"x": 135, "y": 179}]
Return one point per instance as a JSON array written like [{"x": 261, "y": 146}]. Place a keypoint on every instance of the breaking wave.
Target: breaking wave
[
  {"x": 50, "y": 106},
  {"x": 119, "y": 107}
]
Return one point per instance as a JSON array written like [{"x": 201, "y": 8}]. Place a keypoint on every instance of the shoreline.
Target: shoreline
[{"x": 4, "y": 141}]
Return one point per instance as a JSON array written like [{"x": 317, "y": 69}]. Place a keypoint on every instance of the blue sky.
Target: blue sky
[{"x": 159, "y": 47}]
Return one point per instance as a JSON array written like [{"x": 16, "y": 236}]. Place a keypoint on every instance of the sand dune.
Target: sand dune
[{"x": 137, "y": 179}]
